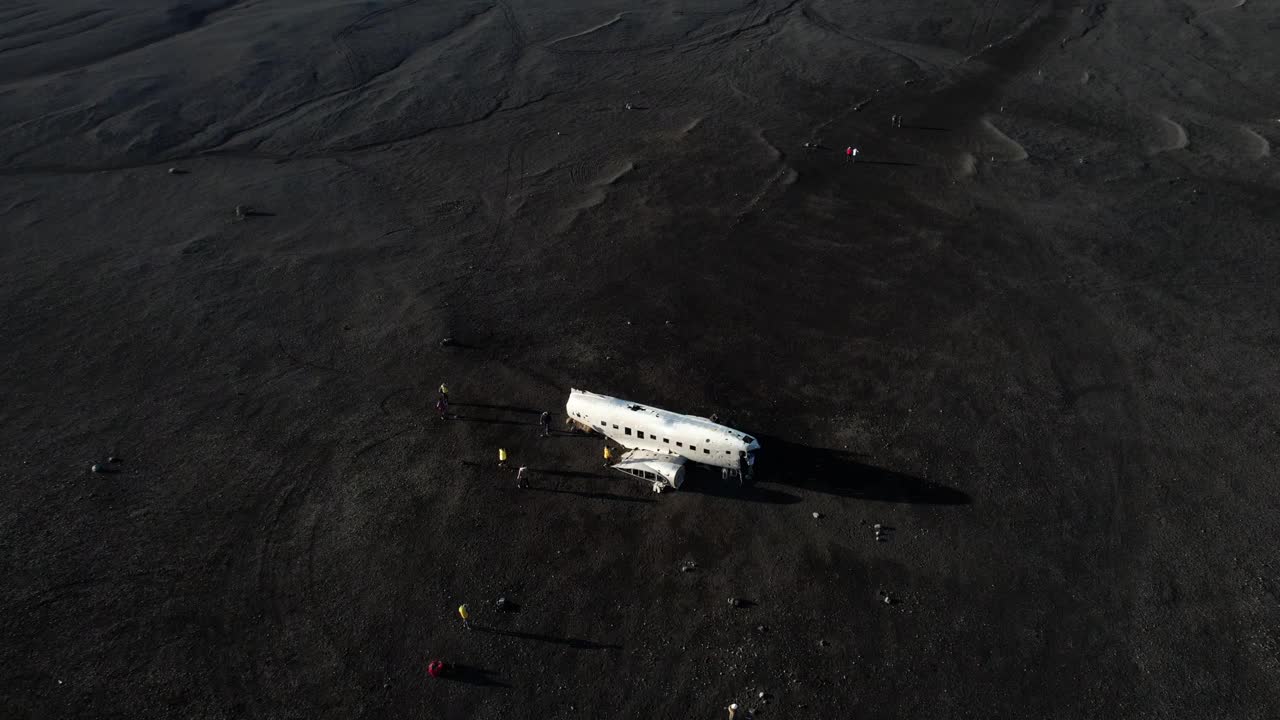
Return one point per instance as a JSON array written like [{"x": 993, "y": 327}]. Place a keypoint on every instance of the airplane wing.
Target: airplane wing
[{"x": 658, "y": 468}]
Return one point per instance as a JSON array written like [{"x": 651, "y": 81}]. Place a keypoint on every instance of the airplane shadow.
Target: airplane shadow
[
  {"x": 838, "y": 473},
  {"x": 574, "y": 643},
  {"x": 708, "y": 482},
  {"x": 474, "y": 676}
]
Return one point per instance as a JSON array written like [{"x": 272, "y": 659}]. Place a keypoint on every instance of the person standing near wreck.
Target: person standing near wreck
[
  {"x": 608, "y": 455},
  {"x": 545, "y": 421}
]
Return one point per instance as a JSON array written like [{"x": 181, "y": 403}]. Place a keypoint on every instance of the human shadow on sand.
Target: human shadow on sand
[
  {"x": 474, "y": 676},
  {"x": 490, "y": 421},
  {"x": 574, "y": 643},
  {"x": 570, "y": 473},
  {"x": 839, "y": 473},
  {"x": 510, "y": 408},
  {"x": 575, "y": 434},
  {"x": 537, "y": 473},
  {"x": 888, "y": 162},
  {"x": 593, "y": 495}
]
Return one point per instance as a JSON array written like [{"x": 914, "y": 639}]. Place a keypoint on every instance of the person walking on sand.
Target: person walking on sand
[
  {"x": 502, "y": 457},
  {"x": 608, "y": 455},
  {"x": 442, "y": 407},
  {"x": 522, "y": 477},
  {"x": 465, "y": 613},
  {"x": 851, "y": 153},
  {"x": 545, "y": 421}
]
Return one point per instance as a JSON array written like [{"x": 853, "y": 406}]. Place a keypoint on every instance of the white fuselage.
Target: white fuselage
[{"x": 640, "y": 427}]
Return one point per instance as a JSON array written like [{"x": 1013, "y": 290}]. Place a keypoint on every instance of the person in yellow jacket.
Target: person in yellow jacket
[
  {"x": 465, "y": 614},
  {"x": 502, "y": 458},
  {"x": 608, "y": 455}
]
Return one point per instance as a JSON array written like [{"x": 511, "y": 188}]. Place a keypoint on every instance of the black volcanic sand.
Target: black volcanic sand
[{"x": 1033, "y": 331}]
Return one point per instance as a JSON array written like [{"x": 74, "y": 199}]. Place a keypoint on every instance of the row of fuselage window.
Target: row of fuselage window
[{"x": 640, "y": 436}]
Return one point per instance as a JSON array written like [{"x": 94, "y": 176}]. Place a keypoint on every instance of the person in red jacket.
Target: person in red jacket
[{"x": 436, "y": 668}]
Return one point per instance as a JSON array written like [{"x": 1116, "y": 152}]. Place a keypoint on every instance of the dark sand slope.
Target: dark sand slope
[{"x": 1034, "y": 331}]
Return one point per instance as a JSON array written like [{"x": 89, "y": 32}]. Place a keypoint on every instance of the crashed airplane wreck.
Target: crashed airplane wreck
[{"x": 660, "y": 443}]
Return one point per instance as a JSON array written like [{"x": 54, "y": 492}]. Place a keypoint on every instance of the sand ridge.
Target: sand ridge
[
  {"x": 1172, "y": 136},
  {"x": 1259, "y": 146}
]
